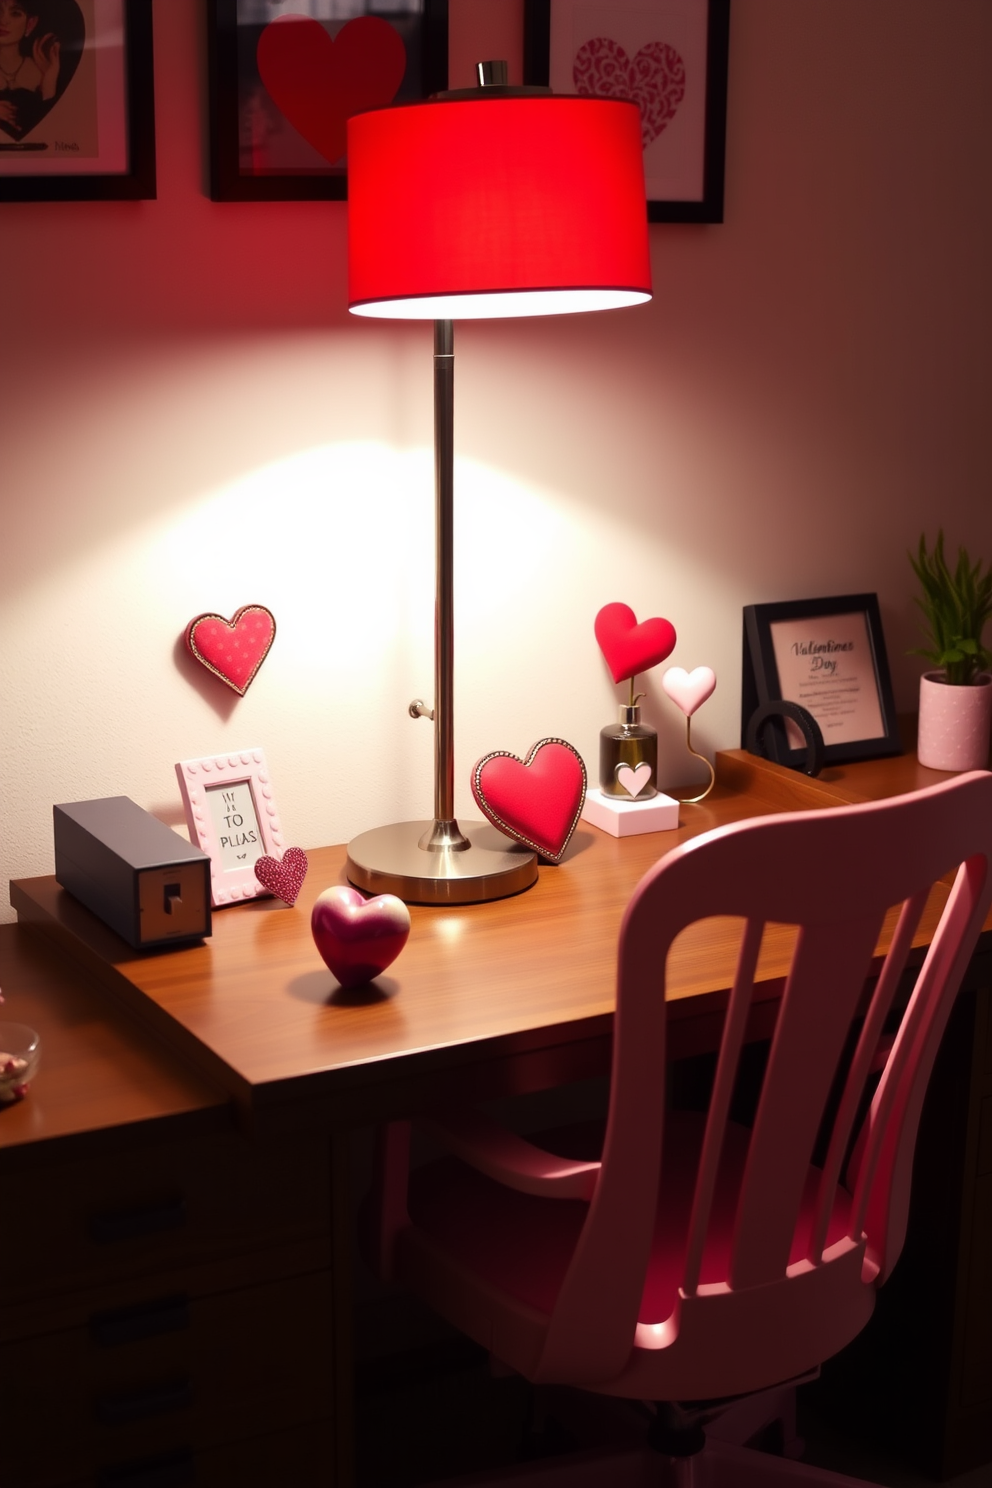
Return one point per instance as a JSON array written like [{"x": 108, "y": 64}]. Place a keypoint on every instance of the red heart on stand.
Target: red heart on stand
[
  {"x": 630, "y": 648},
  {"x": 654, "y": 79},
  {"x": 233, "y": 649},
  {"x": 283, "y": 877},
  {"x": 537, "y": 800},
  {"x": 318, "y": 81}
]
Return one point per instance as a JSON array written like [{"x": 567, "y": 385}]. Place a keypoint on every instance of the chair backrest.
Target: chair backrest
[{"x": 836, "y": 874}]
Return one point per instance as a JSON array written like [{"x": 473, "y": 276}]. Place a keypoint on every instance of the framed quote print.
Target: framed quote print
[
  {"x": 232, "y": 817},
  {"x": 670, "y": 58},
  {"x": 285, "y": 76},
  {"x": 77, "y": 104},
  {"x": 827, "y": 655}
]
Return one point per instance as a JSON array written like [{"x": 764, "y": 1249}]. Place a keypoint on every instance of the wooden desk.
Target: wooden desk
[
  {"x": 492, "y": 999},
  {"x": 485, "y": 1001}
]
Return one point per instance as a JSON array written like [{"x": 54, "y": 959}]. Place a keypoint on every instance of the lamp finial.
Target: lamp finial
[{"x": 492, "y": 74}]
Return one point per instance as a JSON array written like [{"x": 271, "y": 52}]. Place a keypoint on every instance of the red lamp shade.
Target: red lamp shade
[{"x": 496, "y": 206}]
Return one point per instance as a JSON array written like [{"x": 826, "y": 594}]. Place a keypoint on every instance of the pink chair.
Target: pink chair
[{"x": 691, "y": 1259}]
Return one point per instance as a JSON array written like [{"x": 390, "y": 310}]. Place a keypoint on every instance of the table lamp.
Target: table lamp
[{"x": 482, "y": 202}]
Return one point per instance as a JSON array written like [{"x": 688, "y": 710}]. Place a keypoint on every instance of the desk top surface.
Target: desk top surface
[
  {"x": 515, "y": 980},
  {"x": 102, "y": 1075}
]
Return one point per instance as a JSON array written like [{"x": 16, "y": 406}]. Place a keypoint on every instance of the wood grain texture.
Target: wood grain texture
[
  {"x": 100, "y": 1071},
  {"x": 526, "y": 982}
]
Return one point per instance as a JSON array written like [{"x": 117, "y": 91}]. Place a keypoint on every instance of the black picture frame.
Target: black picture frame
[
  {"x": 138, "y": 181},
  {"x": 708, "y": 207},
  {"x": 232, "y": 72},
  {"x": 833, "y": 699}
]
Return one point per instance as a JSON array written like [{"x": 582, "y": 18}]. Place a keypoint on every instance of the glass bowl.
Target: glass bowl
[{"x": 20, "y": 1055}]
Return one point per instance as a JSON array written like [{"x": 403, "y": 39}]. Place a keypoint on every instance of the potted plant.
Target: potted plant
[{"x": 956, "y": 697}]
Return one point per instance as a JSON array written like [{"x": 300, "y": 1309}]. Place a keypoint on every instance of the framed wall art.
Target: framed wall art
[
  {"x": 827, "y": 655},
  {"x": 670, "y": 58},
  {"x": 77, "y": 104},
  {"x": 285, "y": 75},
  {"x": 232, "y": 817}
]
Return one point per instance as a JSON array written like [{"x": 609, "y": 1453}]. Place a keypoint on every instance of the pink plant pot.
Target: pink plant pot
[{"x": 954, "y": 724}]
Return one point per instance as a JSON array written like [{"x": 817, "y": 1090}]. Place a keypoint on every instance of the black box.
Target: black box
[{"x": 148, "y": 883}]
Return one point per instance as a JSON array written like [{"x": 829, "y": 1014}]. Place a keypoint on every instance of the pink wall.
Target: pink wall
[{"x": 192, "y": 422}]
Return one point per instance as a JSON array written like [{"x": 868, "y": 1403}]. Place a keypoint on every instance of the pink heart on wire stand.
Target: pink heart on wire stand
[
  {"x": 689, "y": 690},
  {"x": 654, "y": 79},
  {"x": 284, "y": 877},
  {"x": 358, "y": 937}
]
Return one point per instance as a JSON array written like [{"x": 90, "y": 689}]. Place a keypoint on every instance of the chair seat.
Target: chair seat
[{"x": 512, "y": 1250}]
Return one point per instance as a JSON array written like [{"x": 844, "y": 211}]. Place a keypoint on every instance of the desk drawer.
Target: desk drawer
[
  {"x": 104, "y": 1221},
  {"x": 184, "y": 1377},
  {"x": 301, "y": 1458}
]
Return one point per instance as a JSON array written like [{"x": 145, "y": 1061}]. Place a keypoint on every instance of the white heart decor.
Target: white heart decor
[
  {"x": 634, "y": 780},
  {"x": 689, "y": 690}
]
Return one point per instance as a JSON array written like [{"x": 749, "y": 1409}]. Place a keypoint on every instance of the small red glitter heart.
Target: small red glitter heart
[
  {"x": 283, "y": 878},
  {"x": 233, "y": 649}
]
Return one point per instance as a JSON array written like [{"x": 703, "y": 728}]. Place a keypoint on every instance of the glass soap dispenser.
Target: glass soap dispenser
[{"x": 628, "y": 755}]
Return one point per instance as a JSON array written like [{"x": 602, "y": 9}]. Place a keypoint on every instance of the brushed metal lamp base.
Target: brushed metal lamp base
[{"x": 394, "y": 860}]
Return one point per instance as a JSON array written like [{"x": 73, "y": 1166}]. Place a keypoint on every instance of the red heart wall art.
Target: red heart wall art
[
  {"x": 630, "y": 648},
  {"x": 654, "y": 79},
  {"x": 233, "y": 649},
  {"x": 318, "y": 81},
  {"x": 537, "y": 800}
]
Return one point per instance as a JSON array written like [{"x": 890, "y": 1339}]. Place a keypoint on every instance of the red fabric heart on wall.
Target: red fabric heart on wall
[
  {"x": 233, "y": 649},
  {"x": 318, "y": 81},
  {"x": 537, "y": 800},
  {"x": 630, "y": 648}
]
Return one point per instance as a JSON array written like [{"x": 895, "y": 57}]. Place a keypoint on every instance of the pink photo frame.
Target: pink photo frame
[{"x": 231, "y": 814}]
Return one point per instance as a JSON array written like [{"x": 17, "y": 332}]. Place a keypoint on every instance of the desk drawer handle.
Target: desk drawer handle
[
  {"x": 158, "y": 1400},
  {"x": 146, "y": 1320},
  {"x": 171, "y": 1471},
  {"x": 132, "y": 1224}
]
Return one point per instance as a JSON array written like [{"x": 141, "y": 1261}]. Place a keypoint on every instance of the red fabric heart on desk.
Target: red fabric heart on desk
[
  {"x": 318, "y": 81},
  {"x": 537, "y": 800},
  {"x": 233, "y": 649},
  {"x": 630, "y": 648},
  {"x": 283, "y": 877}
]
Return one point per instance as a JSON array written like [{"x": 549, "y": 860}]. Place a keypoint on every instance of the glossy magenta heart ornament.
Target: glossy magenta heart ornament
[{"x": 358, "y": 937}]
